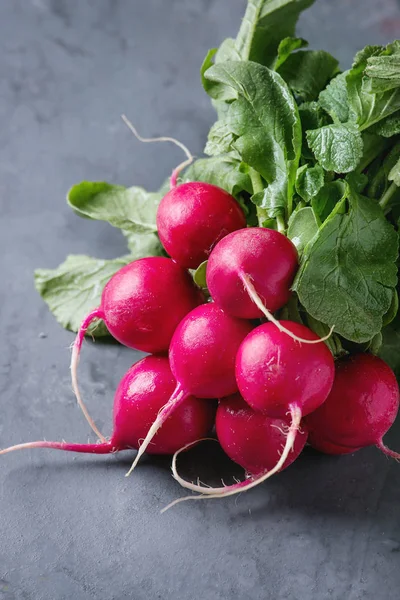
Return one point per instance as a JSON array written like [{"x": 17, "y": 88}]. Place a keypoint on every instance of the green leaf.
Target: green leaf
[
  {"x": 132, "y": 209},
  {"x": 265, "y": 122},
  {"x": 312, "y": 117},
  {"x": 218, "y": 91},
  {"x": 393, "y": 310},
  {"x": 302, "y": 227},
  {"x": 143, "y": 244},
  {"x": 357, "y": 181},
  {"x": 348, "y": 272},
  {"x": 73, "y": 289},
  {"x": 361, "y": 57},
  {"x": 394, "y": 174},
  {"x": 384, "y": 70},
  {"x": 334, "y": 99},
  {"x": 286, "y": 47},
  {"x": 388, "y": 127},
  {"x": 307, "y": 72},
  {"x": 376, "y": 343},
  {"x": 327, "y": 198},
  {"x": 390, "y": 349},
  {"x": 265, "y": 24},
  {"x": 309, "y": 180},
  {"x": 223, "y": 171},
  {"x": 220, "y": 139},
  {"x": 366, "y": 107},
  {"x": 378, "y": 172},
  {"x": 199, "y": 276},
  {"x": 373, "y": 146},
  {"x": 337, "y": 147}
]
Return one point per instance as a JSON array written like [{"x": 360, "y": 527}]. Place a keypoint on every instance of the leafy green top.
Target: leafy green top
[{"x": 305, "y": 149}]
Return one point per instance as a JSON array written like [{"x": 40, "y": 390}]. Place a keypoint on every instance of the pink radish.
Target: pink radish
[
  {"x": 321, "y": 444},
  {"x": 265, "y": 257},
  {"x": 276, "y": 376},
  {"x": 202, "y": 358},
  {"x": 251, "y": 439},
  {"x": 141, "y": 306},
  {"x": 193, "y": 217},
  {"x": 249, "y": 274},
  {"x": 361, "y": 407},
  {"x": 142, "y": 392}
]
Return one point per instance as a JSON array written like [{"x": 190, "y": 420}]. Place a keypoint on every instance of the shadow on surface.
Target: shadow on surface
[{"x": 316, "y": 485}]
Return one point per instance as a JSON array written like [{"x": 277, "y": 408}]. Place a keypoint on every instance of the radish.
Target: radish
[
  {"x": 266, "y": 257},
  {"x": 141, "y": 306},
  {"x": 276, "y": 375},
  {"x": 249, "y": 274},
  {"x": 361, "y": 407},
  {"x": 192, "y": 217},
  {"x": 202, "y": 358},
  {"x": 320, "y": 443},
  {"x": 252, "y": 439},
  {"x": 142, "y": 392}
]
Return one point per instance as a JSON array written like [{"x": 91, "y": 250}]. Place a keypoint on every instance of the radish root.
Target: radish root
[
  {"x": 178, "y": 396},
  {"x": 243, "y": 486},
  {"x": 95, "y": 314},
  {"x": 103, "y": 448},
  {"x": 181, "y": 166},
  {"x": 260, "y": 305},
  {"x": 387, "y": 450}
]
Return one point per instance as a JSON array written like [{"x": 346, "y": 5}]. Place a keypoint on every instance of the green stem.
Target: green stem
[
  {"x": 384, "y": 201},
  {"x": 280, "y": 221},
  {"x": 258, "y": 186}
]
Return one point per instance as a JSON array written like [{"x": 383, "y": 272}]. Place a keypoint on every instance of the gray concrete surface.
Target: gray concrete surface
[{"x": 73, "y": 528}]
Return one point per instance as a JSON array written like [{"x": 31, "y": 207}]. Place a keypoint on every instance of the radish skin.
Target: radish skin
[
  {"x": 270, "y": 368},
  {"x": 242, "y": 486},
  {"x": 249, "y": 274},
  {"x": 202, "y": 358},
  {"x": 192, "y": 217},
  {"x": 252, "y": 440},
  {"x": 361, "y": 407},
  {"x": 138, "y": 312}
]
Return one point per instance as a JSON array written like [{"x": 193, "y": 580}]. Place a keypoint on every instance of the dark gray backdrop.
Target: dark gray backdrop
[{"x": 72, "y": 527}]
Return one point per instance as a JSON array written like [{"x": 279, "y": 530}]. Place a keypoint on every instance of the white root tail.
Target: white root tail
[
  {"x": 178, "y": 396},
  {"x": 181, "y": 166},
  {"x": 74, "y": 368},
  {"x": 243, "y": 486},
  {"x": 260, "y": 305}
]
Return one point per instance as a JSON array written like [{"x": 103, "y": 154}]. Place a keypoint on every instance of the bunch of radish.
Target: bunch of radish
[{"x": 267, "y": 385}]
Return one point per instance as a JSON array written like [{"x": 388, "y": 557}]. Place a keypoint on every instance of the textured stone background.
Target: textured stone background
[{"x": 74, "y": 527}]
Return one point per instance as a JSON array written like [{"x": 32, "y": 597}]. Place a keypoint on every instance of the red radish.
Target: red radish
[
  {"x": 361, "y": 407},
  {"x": 193, "y": 217},
  {"x": 202, "y": 358},
  {"x": 323, "y": 445},
  {"x": 276, "y": 376},
  {"x": 142, "y": 392},
  {"x": 266, "y": 257},
  {"x": 252, "y": 440},
  {"x": 141, "y": 306},
  {"x": 249, "y": 274},
  {"x": 273, "y": 371}
]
